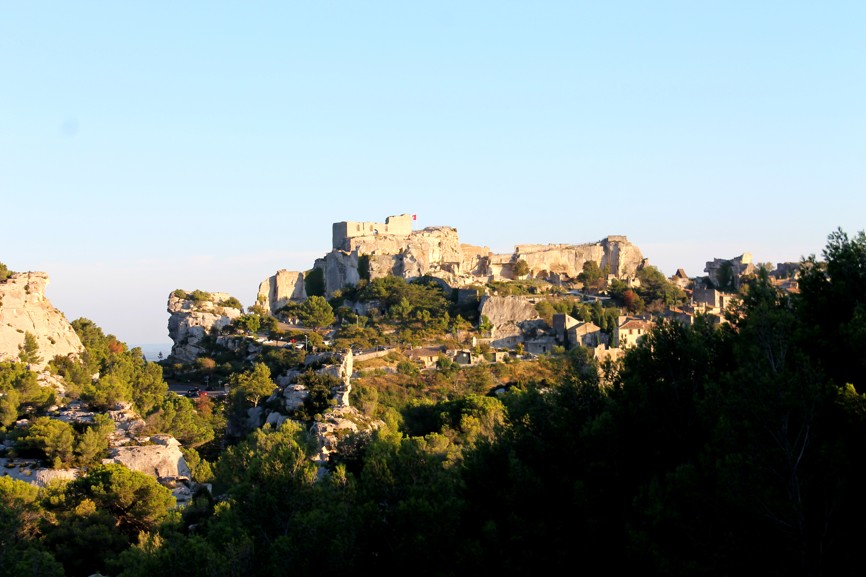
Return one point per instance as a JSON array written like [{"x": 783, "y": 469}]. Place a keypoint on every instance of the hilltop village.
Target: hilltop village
[
  {"x": 603, "y": 295},
  {"x": 408, "y": 386}
]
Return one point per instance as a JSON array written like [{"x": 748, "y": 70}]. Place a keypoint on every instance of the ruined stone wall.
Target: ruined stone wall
[
  {"x": 399, "y": 225},
  {"x": 434, "y": 251}
]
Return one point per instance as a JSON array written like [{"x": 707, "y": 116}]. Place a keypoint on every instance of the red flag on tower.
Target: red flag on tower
[{"x": 414, "y": 217}]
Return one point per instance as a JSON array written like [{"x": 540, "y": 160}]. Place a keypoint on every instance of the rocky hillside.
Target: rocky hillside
[{"x": 24, "y": 309}]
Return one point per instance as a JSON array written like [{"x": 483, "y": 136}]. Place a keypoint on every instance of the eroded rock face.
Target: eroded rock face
[
  {"x": 561, "y": 261},
  {"x": 25, "y": 309},
  {"x": 163, "y": 459},
  {"x": 190, "y": 322},
  {"x": 279, "y": 290},
  {"x": 510, "y": 316}
]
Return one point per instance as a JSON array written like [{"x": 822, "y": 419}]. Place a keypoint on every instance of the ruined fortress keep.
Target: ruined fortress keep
[
  {"x": 376, "y": 249},
  {"x": 400, "y": 225}
]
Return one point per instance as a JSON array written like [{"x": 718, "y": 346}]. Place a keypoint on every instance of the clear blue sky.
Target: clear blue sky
[{"x": 148, "y": 146}]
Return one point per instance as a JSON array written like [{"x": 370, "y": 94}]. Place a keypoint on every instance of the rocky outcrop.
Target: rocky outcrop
[
  {"x": 162, "y": 459},
  {"x": 25, "y": 309},
  {"x": 31, "y": 471},
  {"x": 560, "y": 262},
  {"x": 279, "y": 290},
  {"x": 192, "y": 320},
  {"x": 511, "y": 318},
  {"x": 727, "y": 274},
  {"x": 334, "y": 424}
]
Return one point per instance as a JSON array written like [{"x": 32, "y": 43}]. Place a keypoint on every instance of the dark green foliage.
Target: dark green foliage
[
  {"x": 21, "y": 550},
  {"x": 315, "y": 312},
  {"x": 54, "y": 439},
  {"x": 592, "y": 276},
  {"x": 657, "y": 290},
  {"x": 709, "y": 450},
  {"x": 364, "y": 267},
  {"x": 249, "y": 323},
  {"x": 231, "y": 302},
  {"x": 5, "y": 273},
  {"x": 314, "y": 282},
  {"x": 19, "y": 393},
  {"x": 321, "y": 388},
  {"x": 725, "y": 277},
  {"x": 100, "y": 514},
  {"x": 832, "y": 301}
]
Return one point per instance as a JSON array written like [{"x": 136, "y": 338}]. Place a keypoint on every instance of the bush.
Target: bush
[{"x": 5, "y": 273}]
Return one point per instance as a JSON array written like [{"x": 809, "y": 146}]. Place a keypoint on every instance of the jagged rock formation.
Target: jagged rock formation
[
  {"x": 279, "y": 290},
  {"x": 24, "y": 308},
  {"x": 511, "y": 318},
  {"x": 727, "y": 273},
  {"x": 191, "y": 321},
  {"x": 372, "y": 250},
  {"x": 333, "y": 425}
]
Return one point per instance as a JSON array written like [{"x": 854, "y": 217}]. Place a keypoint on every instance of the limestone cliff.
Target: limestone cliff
[
  {"x": 192, "y": 320},
  {"x": 25, "y": 309},
  {"x": 279, "y": 290},
  {"x": 558, "y": 262}
]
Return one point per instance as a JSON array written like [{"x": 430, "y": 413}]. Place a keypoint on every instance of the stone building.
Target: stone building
[{"x": 399, "y": 225}]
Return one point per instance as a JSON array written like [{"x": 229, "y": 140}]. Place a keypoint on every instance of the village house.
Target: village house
[
  {"x": 631, "y": 330},
  {"x": 427, "y": 357},
  {"x": 711, "y": 300},
  {"x": 587, "y": 334}
]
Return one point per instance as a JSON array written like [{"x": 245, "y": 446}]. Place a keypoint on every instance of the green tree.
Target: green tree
[
  {"x": 20, "y": 393},
  {"x": 832, "y": 301},
  {"x": 134, "y": 499},
  {"x": 521, "y": 268},
  {"x": 178, "y": 417},
  {"x": 656, "y": 289},
  {"x": 485, "y": 326},
  {"x": 250, "y": 323},
  {"x": 5, "y": 273},
  {"x": 21, "y": 549},
  {"x": 54, "y": 438},
  {"x": 316, "y": 312},
  {"x": 28, "y": 351},
  {"x": 253, "y": 385},
  {"x": 592, "y": 277}
]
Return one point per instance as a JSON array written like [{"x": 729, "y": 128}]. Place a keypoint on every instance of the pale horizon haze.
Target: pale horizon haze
[{"x": 151, "y": 146}]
